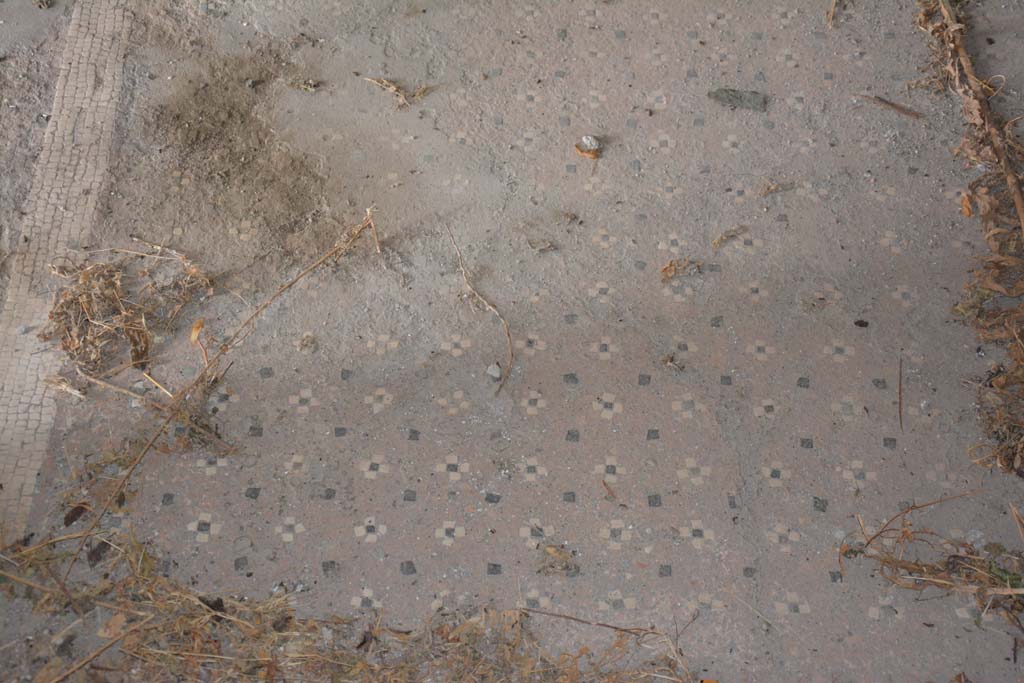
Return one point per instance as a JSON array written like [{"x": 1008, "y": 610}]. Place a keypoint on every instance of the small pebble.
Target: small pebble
[{"x": 494, "y": 371}]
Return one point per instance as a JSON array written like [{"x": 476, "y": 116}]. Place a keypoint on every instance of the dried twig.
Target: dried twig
[
  {"x": 488, "y": 305},
  {"x": 26, "y": 582},
  {"x": 830, "y": 15},
  {"x": 121, "y": 390},
  {"x": 373, "y": 229},
  {"x": 760, "y": 615},
  {"x": 898, "y": 108},
  {"x": 633, "y": 631},
  {"x": 159, "y": 386},
  {"x": 97, "y": 652},
  {"x": 63, "y": 589},
  {"x": 915, "y": 508},
  {"x": 61, "y": 384}
]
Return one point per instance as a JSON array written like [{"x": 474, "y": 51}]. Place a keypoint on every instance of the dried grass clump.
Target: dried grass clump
[
  {"x": 161, "y": 630},
  {"x": 110, "y": 307}
]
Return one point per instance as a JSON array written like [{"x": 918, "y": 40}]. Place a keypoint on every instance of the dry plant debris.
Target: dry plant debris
[
  {"x": 305, "y": 84},
  {"x": 676, "y": 267},
  {"x": 161, "y": 630},
  {"x": 992, "y": 299},
  {"x": 558, "y": 560},
  {"x": 98, "y": 314},
  {"x": 771, "y": 187},
  {"x": 918, "y": 559},
  {"x": 405, "y": 98},
  {"x": 729, "y": 236},
  {"x": 184, "y": 402}
]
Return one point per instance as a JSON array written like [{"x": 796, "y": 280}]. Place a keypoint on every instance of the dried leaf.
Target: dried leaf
[
  {"x": 114, "y": 626},
  {"x": 728, "y": 236},
  {"x": 73, "y": 515},
  {"x": 965, "y": 205},
  {"x": 987, "y": 207},
  {"x": 197, "y": 328},
  {"x": 669, "y": 270},
  {"x": 972, "y": 112},
  {"x": 558, "y": 553}
]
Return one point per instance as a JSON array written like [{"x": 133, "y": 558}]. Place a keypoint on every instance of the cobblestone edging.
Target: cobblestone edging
[{"x": 58, "y": 215}]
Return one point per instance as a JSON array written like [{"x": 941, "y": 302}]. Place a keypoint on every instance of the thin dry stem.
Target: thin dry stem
[{"x": 489, "y": 306}]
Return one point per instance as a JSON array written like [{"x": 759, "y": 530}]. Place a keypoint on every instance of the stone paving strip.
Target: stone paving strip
[{"x": 58, "y": 217}]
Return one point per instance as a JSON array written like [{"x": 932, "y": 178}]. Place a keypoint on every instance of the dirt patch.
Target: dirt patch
[
  {"x": 213, "y": 175},
  {"x": 232, "y": 157}
]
